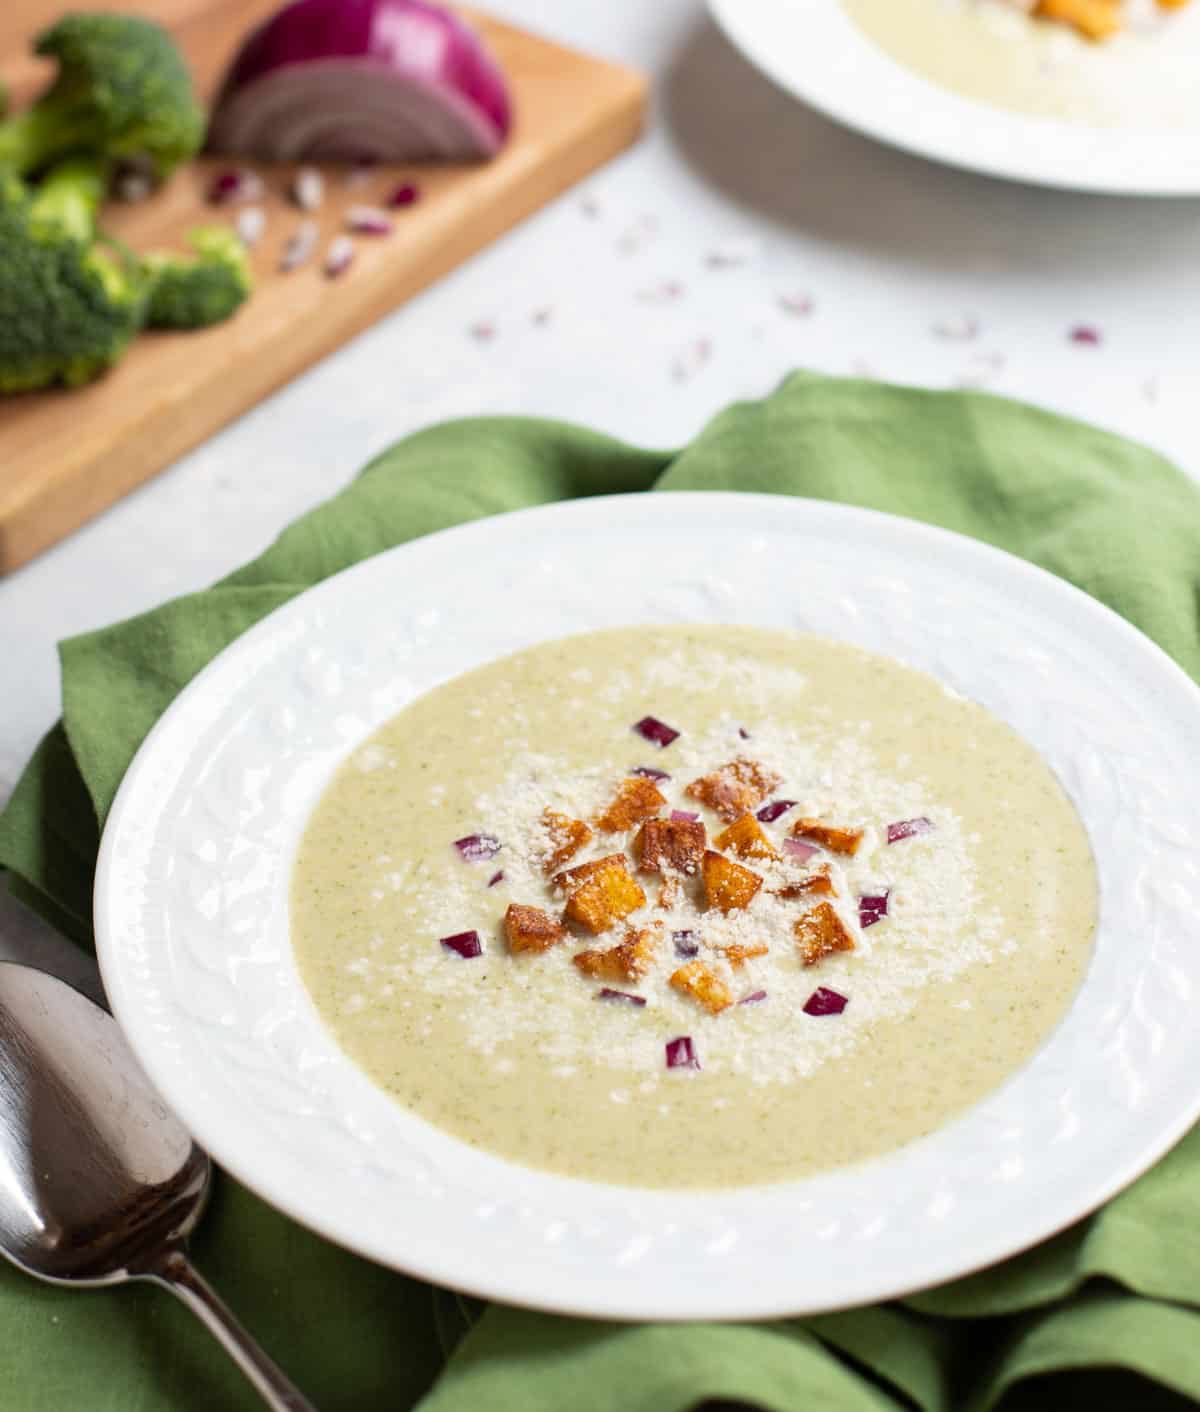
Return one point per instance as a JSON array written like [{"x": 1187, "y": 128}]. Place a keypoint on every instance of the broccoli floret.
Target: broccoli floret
[
  {"x": 123, "y": 92},
  {"x": 68, "y": 306},
  {"x": 194, "y": 293}
]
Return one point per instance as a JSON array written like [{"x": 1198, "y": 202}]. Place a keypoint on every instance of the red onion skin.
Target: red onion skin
[{"x": 405, "y": 40}]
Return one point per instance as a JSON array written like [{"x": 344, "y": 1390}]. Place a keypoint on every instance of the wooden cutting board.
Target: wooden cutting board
[{"x": 67, "y": 455}]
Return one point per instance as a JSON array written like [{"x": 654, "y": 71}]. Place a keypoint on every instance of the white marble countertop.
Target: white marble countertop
[{"x": 647, "y": 329}]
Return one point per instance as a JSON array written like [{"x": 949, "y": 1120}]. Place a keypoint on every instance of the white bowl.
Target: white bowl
[{"x": 192, "y": 907}]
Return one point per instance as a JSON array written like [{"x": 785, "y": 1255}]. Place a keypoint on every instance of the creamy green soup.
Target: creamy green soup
[
  {"x": 991, "y": 907},
  {"x": 1142, "y": 78}
]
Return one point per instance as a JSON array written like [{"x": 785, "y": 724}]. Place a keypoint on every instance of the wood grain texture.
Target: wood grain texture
[{"x": 67, "y": 455}]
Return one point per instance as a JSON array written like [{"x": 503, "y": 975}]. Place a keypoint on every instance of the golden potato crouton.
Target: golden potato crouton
[
  {"x": 821, "y": 932},
  {"x": 818, "y": 883},
  {"x": 637, "y": 799},
  {"x": 746, "y": 838},
  {"x": 727, "y": 885},
  {"x": 629, "y": 960},
  {"x": 671, "y": 843},
  {"x": 531, "y": 929},
  {"x": 737, "y": 955},
  {"x": 669, "y": 892},
  {"x": 565, "y": 837},
  {"x": 825, "y": 836},
  {"x": 735, "y": 789},
  {"x": 703, "y": 985},
  {"x": 1096, "y": 19},
  {"x": 573, "y": 877},
  {"x": 605, "y": 896}
]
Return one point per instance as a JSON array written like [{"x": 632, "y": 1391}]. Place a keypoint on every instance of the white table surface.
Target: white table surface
[{"x": 894, "y": 253}]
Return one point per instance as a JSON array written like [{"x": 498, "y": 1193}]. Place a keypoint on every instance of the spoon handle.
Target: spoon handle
[{"x": 174, "y": 1271}]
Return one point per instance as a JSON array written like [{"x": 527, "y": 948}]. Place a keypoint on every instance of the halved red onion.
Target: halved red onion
[
  {"x": 908, "y": 828},
  {"x": 627, "y": 996},
  {"x": 477, "y": 847},
  {"x": 464, "y": 944},
  {"x": 655, "y": 731},
  {"x": 648, "y": 772},
  {"x": 340, "y": 80},
  {"x": 754, "y": 998},
  {"x": 684, "y": 816},
  {"x": 798, "y": 849},
  {"x": 770, "y": 812},
  {"x": 685, "y": 944},
  {"x": 496, "y": 877},
  {"x": 825, "y": 1002},
  {"x": 873, "y": 907},
  {"x": 681, "y": 1053}
]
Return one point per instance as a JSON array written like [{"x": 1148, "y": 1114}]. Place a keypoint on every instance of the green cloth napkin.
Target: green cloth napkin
[{"x": 1105, "y": 1315}]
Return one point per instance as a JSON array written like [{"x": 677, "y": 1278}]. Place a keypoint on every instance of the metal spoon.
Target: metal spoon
[{"x": 98, "y": 1181}]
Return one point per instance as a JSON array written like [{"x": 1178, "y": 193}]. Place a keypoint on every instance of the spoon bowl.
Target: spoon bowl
[{"x": 99, "y": 1182}]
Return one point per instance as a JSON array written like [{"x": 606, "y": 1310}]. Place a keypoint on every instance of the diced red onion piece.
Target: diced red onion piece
[
  {"x": 308, "y": 188},
  {"x": 684, "y": 816},
  {"x": 770, "y": 812},
  {"x": 908, "y": 828},
  {"x": 681, "y": 1053},
  {"x": 235, "y": 184},
  {"x": 406, "y": 194},
  {"x": 825, "y": 1002},
  {"x": 743, "y": 732},
  {"x": 476, "y": 847},
  {"x": 1085, "y": 333},
  {"x": 339, "y": 256},
  {"x": 464, "y": 944},
  {"x": 798, "y": 849},
  {"x": 368, "y": 220},
  {"x": 686, "y": 944},
  {"x": 250, "y": 223},
  {"x": 656, "y": 732},
  {"x": 648, "y": 772},
  {"x": 496, "y": 877},
  {"x": 300, "y": 246},
  {"x": 628, "y": 997},
  {"x": 754, "y": 998},
  {"x": 873, "y": 908}
]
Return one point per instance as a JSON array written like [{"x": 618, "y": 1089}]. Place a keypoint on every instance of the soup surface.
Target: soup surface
[
  {"x": 1142, "y": 78},
  {"x": 941, "y": 950}
]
